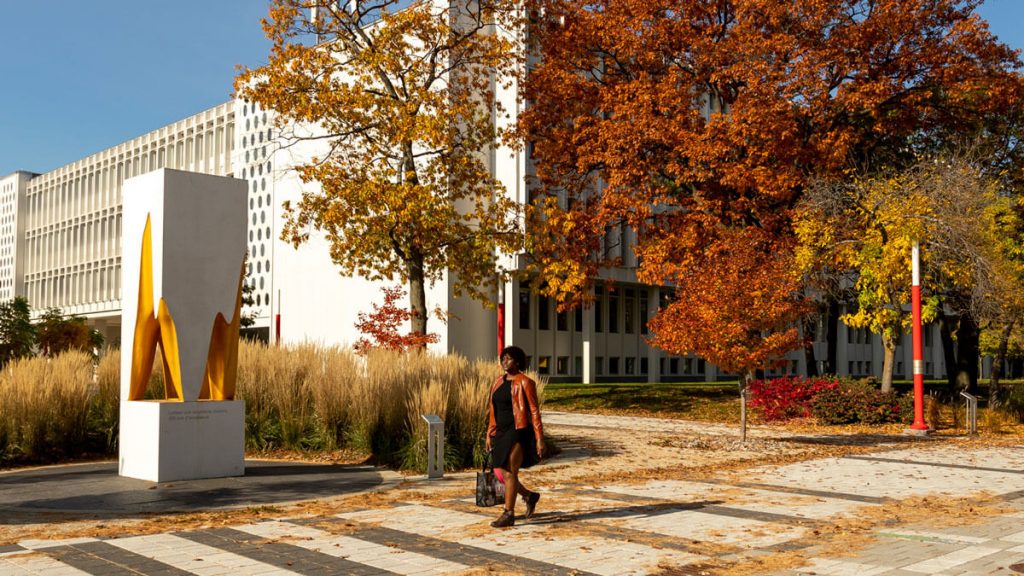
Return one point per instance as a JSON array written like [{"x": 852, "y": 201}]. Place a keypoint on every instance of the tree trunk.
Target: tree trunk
[
  {"x": 417, "y": 296},
  {"x": 888, "y": 357},
  {"x": 967, "y": 353},
  {"x": 994, "y": 393},
  {"x": 810, "y": 359},
  {"x": 948, "y": 351},
  {"x": 832, "y": 337}
]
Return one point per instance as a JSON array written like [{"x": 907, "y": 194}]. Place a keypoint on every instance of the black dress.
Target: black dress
[{"x": 507, "y": 436}]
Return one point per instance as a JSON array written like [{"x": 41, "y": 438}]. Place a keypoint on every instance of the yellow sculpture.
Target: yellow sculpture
[{"x": 222, "y": 358}]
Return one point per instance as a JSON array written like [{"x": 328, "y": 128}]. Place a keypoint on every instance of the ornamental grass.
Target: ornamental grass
[{"x": 308, "y": 398}]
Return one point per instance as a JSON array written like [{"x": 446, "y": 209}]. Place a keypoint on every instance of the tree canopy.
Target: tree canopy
[
  {"x": 400, "y": 97},
  {"x": 685, "y": 122}
]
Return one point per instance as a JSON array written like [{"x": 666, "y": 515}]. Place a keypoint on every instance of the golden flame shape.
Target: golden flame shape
[
  {"x": 149, "y": 330},
  {"x": 222, "y": 359},
  {"x": 221, "y": 372}
]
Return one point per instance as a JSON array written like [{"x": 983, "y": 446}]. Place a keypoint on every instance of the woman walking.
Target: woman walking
[{"x": 515, "y": 435}]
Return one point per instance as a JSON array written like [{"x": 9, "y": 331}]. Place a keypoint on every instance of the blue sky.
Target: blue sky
[{"x": 79, "y": 76}]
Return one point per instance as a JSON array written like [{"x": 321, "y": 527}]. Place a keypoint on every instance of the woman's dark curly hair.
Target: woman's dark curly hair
[{"x": 517, "y": 354}]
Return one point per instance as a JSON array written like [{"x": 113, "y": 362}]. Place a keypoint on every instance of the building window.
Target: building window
[
  {"x": 544, "y": 365},
  {"x": 599, "y": 365},
  {"x": 643, "y": 312},
  {"x": 524, "y": 309},
  {"x": 613, "y": 365},
  {"x": 643, "y": 365},
  {"x": 630, "y": 366},
  {"x": 543, "y": 312},
  {"x": 529, "y": 361},
  {"x": 850, "y": 368},
  {"x": 627, "y": 312},
  {"x": 578, "y": 368},
  {"x": 661, "y": 365},
  {"x": 598, "y": 312},
  {"x": 673, "y": 366},
  {"x": 562, "y": 321},
  {"x": 613, "y": 313},
  {"x": 579, "y": 319},
  {"x": 562, "y": 365}
]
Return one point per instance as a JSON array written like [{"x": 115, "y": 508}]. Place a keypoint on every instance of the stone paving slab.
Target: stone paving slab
[{"x": 656, "y": 527}]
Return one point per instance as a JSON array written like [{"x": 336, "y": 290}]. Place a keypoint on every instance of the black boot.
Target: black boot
[
  {"x": 507, "y": 518},
  {"x": 531, "y": 503}
]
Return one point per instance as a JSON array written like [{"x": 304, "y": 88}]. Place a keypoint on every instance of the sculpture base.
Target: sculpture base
[{"x": 164, "y": 441}]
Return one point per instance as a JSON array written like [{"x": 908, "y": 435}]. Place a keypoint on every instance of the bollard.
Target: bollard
[
  {"x": 435, "y": 445},
  {"x": 972, "y": 413}
]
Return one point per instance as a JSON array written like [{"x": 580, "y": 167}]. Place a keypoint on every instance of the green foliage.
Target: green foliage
[
  {"x": 17, "y": 334},
  {"x": 856, "y": 401}
]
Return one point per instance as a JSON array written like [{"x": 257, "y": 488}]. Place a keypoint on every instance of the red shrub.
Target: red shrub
[{"x": 787, "y": 397}]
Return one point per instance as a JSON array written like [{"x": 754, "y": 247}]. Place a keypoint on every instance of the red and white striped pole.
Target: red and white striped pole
[{"x": 915, "y": 310}]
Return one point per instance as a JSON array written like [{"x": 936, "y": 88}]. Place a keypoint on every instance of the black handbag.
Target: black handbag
[{"x": 489, "y": 491}]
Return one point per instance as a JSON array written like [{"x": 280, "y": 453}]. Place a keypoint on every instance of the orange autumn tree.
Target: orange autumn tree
[
  {"x": 757, "y": 325},
  {"x": 397, "y": 99},
  {"x": 687, "y": 130}
]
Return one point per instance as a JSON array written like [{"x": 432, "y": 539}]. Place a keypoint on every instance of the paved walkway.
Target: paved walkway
[{"x": 665, "y": 527}]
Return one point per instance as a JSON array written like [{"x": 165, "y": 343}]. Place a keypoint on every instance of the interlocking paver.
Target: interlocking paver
[{"x": 621, "y": 528}]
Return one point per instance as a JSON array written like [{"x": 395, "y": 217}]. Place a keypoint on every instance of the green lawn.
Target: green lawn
[{"x": 709, "y": 401}]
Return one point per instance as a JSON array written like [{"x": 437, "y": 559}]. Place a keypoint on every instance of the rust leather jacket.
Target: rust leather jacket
[{"x": 524, "y": 406}]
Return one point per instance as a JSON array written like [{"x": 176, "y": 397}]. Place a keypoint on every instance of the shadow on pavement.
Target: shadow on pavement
[
  {"x": 855, "y": 439},
  {"x": 647, "y": 510},
  {"x": 96, "y": 491}
]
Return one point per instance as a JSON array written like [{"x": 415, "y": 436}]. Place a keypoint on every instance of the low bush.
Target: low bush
[
  {"x": 858, "y": 401},
  {"x": 787, "y": 397},
  {"x": 1015, "y": 402}
]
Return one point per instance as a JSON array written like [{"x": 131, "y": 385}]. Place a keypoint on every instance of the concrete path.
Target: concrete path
[{"x": 663, "y": 527}]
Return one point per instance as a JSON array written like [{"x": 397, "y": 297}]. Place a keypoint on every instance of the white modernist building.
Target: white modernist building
[{"x": 60, "y": 246}]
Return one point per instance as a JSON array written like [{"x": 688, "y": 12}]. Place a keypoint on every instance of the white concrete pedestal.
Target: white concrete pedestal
[{"x": 168, "y": 441}]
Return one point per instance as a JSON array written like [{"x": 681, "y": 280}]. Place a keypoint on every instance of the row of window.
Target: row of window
[
  {"x": 77, "y": 288},
  {"x": 618, "y": 366},
  {"x": 608, "y": 314},
  {"x": 85, "y": 242},
  {"x": 208, "y": 151},
  {"x": 865, "y": 336}
]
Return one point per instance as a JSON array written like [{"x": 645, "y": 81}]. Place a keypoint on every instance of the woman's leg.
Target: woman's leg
[{"x": 512, "y": 487}]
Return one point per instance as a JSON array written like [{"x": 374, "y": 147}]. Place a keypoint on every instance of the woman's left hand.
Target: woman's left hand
[{"x": 540, "y": 450}]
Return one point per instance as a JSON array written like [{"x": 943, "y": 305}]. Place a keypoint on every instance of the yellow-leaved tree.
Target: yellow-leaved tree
[
  {"x": 868, "y": 225},
  {"x": 399, "y": 97},
  {"x": 972, "y": 255}
]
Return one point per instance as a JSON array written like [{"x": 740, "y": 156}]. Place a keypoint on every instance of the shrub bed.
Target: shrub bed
[
  {"x": 831, "y": 400},
  {"x": 859, "y": 401}
]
